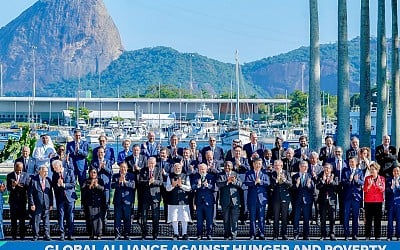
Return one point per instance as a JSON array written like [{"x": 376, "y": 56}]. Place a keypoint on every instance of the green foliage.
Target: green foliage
[
  {"x": 12, "y": 149},
  {"x": 298, "y": 106},
  {"x": 83, "y": 112}
]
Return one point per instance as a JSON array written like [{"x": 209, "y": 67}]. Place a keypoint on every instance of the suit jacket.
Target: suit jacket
[
  {"x": 338, "y": 172},
  {"x": 124, "y": 192},
  {"x": 298, "y": 153},
  {"x": 351, "y": 152},
  {"x": 177, "y": 156},
  {"x": 66, "y": 192},
  {"x": 108, "y": 154},
  {"x": 30, "y": 167},
  {"x": 324, "y": 156},
  {"x": 229, "y": 193},
  {"x": 278, "y": 153},
  {"x": 103, "y": 173},
  {"x": 392, "y": 196},
  {"x": 352, "y": 189},
  {"x": 78, "y": 158},
  {"x": 303, "y": 194},
  {"x": 186, "y": 167},
  {"x": 19, "y": 194},
  {"x": 243, "y": 168},
  {"x": 122, "y": 155},
  {"x": 281, "y": 189},
  {"x": 42, "y": 199},
  {"x": 151, "y": 192},
  {"x": 204, "y": 195},
  {"x": 94, "y": 197},
  {"x": 257, "y": 193},
  {"x": 140, "y": 160},
  {"x": 385, "y": 160},
  {"x": 149, "y": 150},
  {"x": 248, "y": 148},
  {"x": 327, "y": 190},
  {"x": 292, "y": 166},
  {"x": 218, "y": 153}
]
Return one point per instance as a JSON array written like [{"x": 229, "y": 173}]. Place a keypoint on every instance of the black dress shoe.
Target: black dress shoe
[
  {"x": 70, "y": 238},
  {"x": 262, "y": 238},
  {"x": 346, "y": 238},
  {"x": 47, "y": 238},
  {"x": 198, "y": 237},
  {"x": 143, "y": 237},
  {"x": 62, "y": 238},
  {"x": 185, "y": 237},
  {"x": 34, "y": 239},
  {"x": 354, "y": 238},
  {"x": 126, "y": 237},
  {"x": 251, "y": 238},
  {"x": 209, "y": 237},
  {"x": 117, "y": 238},
  {"x": 332, "y": 237},
  {"x": 296, "y": 237},
  {"x": 155, "y": 237},
  {"x": 285, "y": 237},
  {"x": 175, "y": 237},
  {"x": 389, "y": 238},
  {"x": 306, "y": 238}
]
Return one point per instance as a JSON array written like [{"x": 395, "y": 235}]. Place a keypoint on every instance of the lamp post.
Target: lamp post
[{"x": 34, "y": 83}]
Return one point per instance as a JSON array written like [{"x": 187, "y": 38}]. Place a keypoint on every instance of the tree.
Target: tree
[
  {"x": 395, "y": 78},
  {"x": 298, "y": 106},
  {"x": 365, "y": 79},
  {"x": 13, "y": 147},
  {"x": 314, "y": 89},
  {"x": 343, "y": 106},
  {"x": 381, "y": 114},
  {"x": 83, "y": 113}
]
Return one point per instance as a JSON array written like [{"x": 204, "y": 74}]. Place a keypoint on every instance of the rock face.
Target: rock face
[{"x": 57, "y": 39}]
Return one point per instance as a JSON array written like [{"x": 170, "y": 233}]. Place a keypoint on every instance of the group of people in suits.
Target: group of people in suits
[{"x": 248, "y": 182}]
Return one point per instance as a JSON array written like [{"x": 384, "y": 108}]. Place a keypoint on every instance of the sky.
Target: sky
[{"x": 217, "y": 28}]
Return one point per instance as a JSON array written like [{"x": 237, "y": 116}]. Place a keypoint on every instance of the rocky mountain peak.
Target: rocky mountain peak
[{"x": 57, "y": 39}]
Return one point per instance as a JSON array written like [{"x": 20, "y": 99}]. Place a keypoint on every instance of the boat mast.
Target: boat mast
[{"x": 237, "y": 90}]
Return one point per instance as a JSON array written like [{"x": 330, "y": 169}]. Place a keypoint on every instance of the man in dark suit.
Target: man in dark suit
[
  {"x": 151, "y": 148},
  {"x": 352, "y": 182},
  {"x": 124, "y": 185},
  {"x": 175, "y": 152},
  {"x": 63, "y": 182},
  {"x": 108, "y": 151},
  {"x": 230, "y": 154},
  {"x": 338, "y": 166},
  {"x": 354, "y": 148},
  {"x": 327, "y": 153},
  {"x": 281, "y": 182},
  {"x": 29, "y": 163},
  {"x": 204, "y": 186},
  {"x": 40, "y": 199},
  {"x": 77, "y": 151},
  {"x": 290, "y": 163},
  {"x": 303, "y": 152},
  {"x": 257, "y": 182},
  {"x": 135, "y": 163},
  {"x": 229, "y": 185},
  {"x": 304, "y": 192},
  {"x": 151, "y": 180},
  {"x": 218, "y": 152},
  {"x": 327, "y": 184},
  {"x": 385, "y": 155},
  {"x": 17, "y": 186},
  {"x": 254, "y": 149},
  {"x": 278, "y": 152},
  {"x": 125, "y": 152}
]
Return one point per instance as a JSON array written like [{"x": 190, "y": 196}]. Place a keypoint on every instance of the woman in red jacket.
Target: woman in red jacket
[{"x": 374, "y": 188}]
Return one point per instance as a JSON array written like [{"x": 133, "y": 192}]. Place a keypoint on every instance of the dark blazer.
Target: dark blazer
[
  {"x": 124, "y": 193},
  {"x": 385, "y": 160},
  {"x": 303, "y": 194},
  {"x": 93, "y": 197},
  {"x": 229, "y": 193},
  {"x": 103, "y": 173},
  {"x": 78, "y": 158},
  {"x": 218, "y": 153},
  {"x": 352, "y": 189},
  {"x": 281, "y": 190},
  {"x": 42, "y": 199},
  {"x": 351, "y": 152},
  {"x": 30, "y": 167},
  {"x": 243, "y": 168},
  {"x": 257, "y": 193},
  {"x": 178, "y": 154},
  {"x": 149, "y": 150},
  {"x": 151, "y": 192},
  {"x": 108, "y": 154},
  {"x": 68, "y": 191},
  {"x": 292, "y": 166},
  {"x": 249, "y": 151},
  {"x": 324, "y": 156},
  {"x": 122, "y": 155},
  {"x": 204, "y": 195},
  {"x": 297, "y": 153},
  {"x": 18, "y": 195},
  {"x": 141, "y": 162},
  {"x": 327, "y": 190},
  {"x": 278, "y": 153}
]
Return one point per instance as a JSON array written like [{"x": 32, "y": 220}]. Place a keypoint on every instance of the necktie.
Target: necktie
[
  {"x": 339, "y": 165},
  {"x": 43, "y": 184},
  {"x": 151, "y": 173},
  {"x": 135, "y": 160},
  {"x": 17, "y": 178},
  {"x": 254, "y": 148},
  {"x": 303, "y": 179},
  {"x": 25, "y": 162},
  {"x": 256, "y": 175}
]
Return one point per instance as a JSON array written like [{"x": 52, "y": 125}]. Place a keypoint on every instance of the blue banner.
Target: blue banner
[{"x": 201, "y": 245}]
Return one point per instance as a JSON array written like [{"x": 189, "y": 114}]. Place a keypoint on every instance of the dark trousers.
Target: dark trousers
[
  {"x": 122, "y": 212},
  {"x": 65, "y": 211},
  {"x": 155, "y": 211},
  {"x": 18, "y": 215},
  {"x": 281, "y": 211},
  {"x": 393, "y": 214},
  {"x": 243, "y": 206},
  {"x": 373, "y": 211},
  {"x": 45, "y": 217},
  {"x": 257, "y": 212},
  {"x": 230, "y": 215},
  {"x": 95, "y": 220},
  {"x": 305, "y": 211},
  {"x": 204, "y": 212},
  {"x": 327, "y": 209},
  {"x": 352, "y": 206}
]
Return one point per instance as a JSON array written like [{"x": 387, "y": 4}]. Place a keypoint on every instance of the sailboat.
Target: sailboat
[{"x": 236, "y": 131}]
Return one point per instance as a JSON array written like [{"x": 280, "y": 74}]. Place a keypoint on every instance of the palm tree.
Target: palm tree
[
  {"x": 381, "y": 122},
  {"x": 343, "y": 107},
  {"x": 365, "y": 80},
  {"x": 395, "y": 78},
  {"x": 314, "y": 89}
]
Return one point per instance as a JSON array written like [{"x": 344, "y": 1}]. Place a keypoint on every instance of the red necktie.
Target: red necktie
[{"x": 43, "y": 184}]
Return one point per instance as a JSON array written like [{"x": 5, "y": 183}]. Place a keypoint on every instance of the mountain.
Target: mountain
[
  {"x": 57, "y": 39},
  {"x": 63, "y": 40}
]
